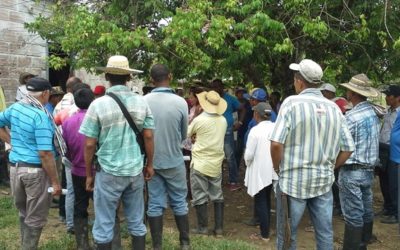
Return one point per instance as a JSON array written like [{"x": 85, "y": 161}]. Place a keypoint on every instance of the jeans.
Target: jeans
[
  {"x": 81, "y": 202},
  {"x": 356, "y": 196},
  {"x": 168, "y": 185},
  {"x": 393, "y": 172},
  {"x": 108, "y": 191},
  {"x": 320, "y": 210},
  {"x": 229, "y": 149},
  {"x": 69, "y": 199},
  {"x": 262, "y": 203}
]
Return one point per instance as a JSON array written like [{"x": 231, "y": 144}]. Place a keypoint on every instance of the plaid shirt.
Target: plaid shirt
[
  {"x": 364, "y": 127},
  {"x": 118, "y": 152},
  {"x": 313, "y": 131}
]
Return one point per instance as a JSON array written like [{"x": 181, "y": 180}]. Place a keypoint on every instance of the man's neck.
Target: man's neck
[
  {"x": 394, "y": 106},
  {"x": 164, "y": 84}
]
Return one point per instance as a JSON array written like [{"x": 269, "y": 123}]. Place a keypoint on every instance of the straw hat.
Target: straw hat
[
  {"x": 118, "y": 65},
  {"x": 361, "y": 84},
  {"x": 211, "y": 102}
]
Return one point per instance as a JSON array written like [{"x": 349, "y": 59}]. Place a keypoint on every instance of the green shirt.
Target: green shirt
[{"x": 118, "y": 151}]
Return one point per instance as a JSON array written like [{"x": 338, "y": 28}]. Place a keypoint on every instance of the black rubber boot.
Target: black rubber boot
[
  {"x": 22, "y": 226},
  {"x": 219, "y": 218},
  {"x": 156, "y": 230},
  {"x": 202, "y": 219},
  {"x": 182, "y": 222},
  {"x": 138, "y": 242},
  {"x": 116, "y": 241},
  {"x": 31, "y": 237},
  {"x": 103, "y": 246},
  {"x": 81, "y": 233},
  {"x": 352, "y": 237},
  {"x": 366, "y": 235}
]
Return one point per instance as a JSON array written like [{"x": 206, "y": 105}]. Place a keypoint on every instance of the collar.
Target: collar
[
  {"x": 311, "y": 91},
  {"x": 361, "y": 104},
  {"x": 118, "y": 88},
  {"x": 163, "y": 90}
]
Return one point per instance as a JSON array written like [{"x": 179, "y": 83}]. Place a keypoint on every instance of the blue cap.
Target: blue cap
[{"x": 258, "y": 94}]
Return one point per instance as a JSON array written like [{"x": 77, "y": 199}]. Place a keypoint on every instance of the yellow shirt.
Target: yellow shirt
[{"x": 208, "y": 150}]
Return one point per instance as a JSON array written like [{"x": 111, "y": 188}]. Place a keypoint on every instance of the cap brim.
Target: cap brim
[
  {"x": 294, "y": 66},
  {"x": 119, "y": 71}
]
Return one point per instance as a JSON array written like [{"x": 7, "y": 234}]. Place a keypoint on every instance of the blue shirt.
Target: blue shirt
[
  {"x": 31, "y": 131},
  {"x": 170, "y": 113},
  {"x": 49, "y": 107},
  {"x": 364, "y": 126},
  {"x": 395, "y": 141},
  {"x": 233, "y": 106}
]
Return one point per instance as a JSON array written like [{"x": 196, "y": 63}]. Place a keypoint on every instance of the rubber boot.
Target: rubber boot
[
  {"x": 182, "y": 222},
  {"x": 156, "y": 230},
  {"x": 219, "y": 218},
  {"x": 138, "y": 242},
  {"x": 366, "y": 235},
  {"x": 352, "y": 237},
  {"x": 202, "y": 219},
  {"x": 31, "y": 237},
  {"x": 81, "y": 233},
  {"x": 116, "y": 242},
  {"x": 103, "y": 246},
  {"x": 22, "y": 226}
]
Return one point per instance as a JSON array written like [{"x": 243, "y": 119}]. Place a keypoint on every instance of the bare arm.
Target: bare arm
[
  {"x": 276, "y": 154},
  {"x": 149, "y": 148},
  {"x": 5, "y": 135},
  {"x": 90, "y": 149},
  {"x": 49, "y": 166},
  {"x": 342, "y": 158}
]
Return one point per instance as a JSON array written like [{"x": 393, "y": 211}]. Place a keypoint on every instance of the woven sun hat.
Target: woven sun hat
[
  {"x": 118, "y": 65},
  {"x": 211, "y": 102},
  {"x": 361, "y": 84},
  {"x": 309, "y": 70}
]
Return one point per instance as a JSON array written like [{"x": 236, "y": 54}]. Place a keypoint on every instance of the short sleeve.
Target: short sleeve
[
  {"x": 282, "y": 125},
  {"x": 149, "y": 119},
  {"x": 90, "y": 126},
  {"x": 44, "y": 132},
  {"x": 5, "y": 118},
  {"x": 346, "y": 140}
]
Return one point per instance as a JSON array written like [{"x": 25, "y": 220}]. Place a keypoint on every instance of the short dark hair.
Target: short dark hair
[
  {"x": 83, "y": 98},
  {"x": 277, "y": 94},
  {"x": 159, "y": 73},
  {"x": 117, "y": 79},
  {"x": 72, "y": 81},
  {"x": 80, "y": 85}
]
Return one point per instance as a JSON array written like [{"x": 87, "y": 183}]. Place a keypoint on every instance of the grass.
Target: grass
[{"x": 56, "y": 239}]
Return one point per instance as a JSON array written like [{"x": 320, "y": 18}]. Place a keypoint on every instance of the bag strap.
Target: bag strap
[{"x": 139, "y": 136}]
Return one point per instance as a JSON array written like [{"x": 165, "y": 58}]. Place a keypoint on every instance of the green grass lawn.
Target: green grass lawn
[{"x": 9, "y": 235}]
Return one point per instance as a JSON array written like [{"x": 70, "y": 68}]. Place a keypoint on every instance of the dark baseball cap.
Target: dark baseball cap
[
  {"x": 37, "y": 84},
  {"x": 393, "y": 90}
]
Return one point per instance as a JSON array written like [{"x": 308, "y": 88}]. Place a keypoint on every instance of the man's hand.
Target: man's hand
[
  {"x": 237, "y": 125},
  {"x": 56, "y": 189},
  {"x": 89, "y": 183},
  {"x": 148, "y": 172}
]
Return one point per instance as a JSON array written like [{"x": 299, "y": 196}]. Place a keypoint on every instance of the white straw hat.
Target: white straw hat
[{"x": 118, "y": 65}]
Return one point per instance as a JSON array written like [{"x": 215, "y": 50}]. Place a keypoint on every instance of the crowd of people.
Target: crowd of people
[{"x": 123, "y": 150}]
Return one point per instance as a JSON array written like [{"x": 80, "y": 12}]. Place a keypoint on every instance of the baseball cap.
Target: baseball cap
[
  {"x": 37, "y": 84},
  {"x": 263, "y": 109},
  {"x": 99, "y": 90},
  {"x": 310, "y": 70},
  {"x": 393, "y": 90},
  {"x": 328, "y": 87},
  {"x": 258, "y": 94}
]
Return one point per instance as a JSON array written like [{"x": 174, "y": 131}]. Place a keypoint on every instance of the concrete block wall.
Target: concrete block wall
[{"x": 20, "y": 51}]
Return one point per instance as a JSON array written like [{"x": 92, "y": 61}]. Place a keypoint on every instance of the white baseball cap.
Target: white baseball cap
[
  {"x": 328, "y": 87},
  {"x": 310, "y": 70}
]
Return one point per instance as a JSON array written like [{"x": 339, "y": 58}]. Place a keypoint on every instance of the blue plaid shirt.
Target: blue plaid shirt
[{"x": 364, "y": 127}]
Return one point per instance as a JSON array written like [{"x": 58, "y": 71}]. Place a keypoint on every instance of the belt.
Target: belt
[
  {"x": 357, "y": 167},
  {"x": 25, "y": 165}
]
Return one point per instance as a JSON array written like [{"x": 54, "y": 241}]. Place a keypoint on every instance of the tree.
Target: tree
[{"x": 245, "y": 41}]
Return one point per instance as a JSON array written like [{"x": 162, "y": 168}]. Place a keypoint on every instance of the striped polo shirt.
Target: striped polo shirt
[
  {"x": 364, "y": 126},
  {"x": 31, "y": 131},
  {"x": 118, "y": 153},
  {"x": 313, "y": 131}
]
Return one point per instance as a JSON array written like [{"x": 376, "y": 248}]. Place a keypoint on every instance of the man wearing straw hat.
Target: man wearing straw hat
[
  {"x": 119, "y": 176},
  {"x": 310, "y": 138},
  {"x": 357, "y": 174},
  {"x": 208, "y": 129}
]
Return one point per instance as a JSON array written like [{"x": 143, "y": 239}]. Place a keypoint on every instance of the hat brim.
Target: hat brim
[
  {"x": 294, "y": 66},
  {"x": 119, "y": 71},
  {"x": 367, "y": 93},
  {"x": 210, "y": 108}
]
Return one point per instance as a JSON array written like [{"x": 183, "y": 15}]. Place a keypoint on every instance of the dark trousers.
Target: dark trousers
[
  {"x": 61, "y": 204},
  {"x": 262, "y": 202},
  {"x": 384, "y": 176},
  {"x": 82, "y": 196},
  {"x": 335, "y": 190},
  {"x": 393, "y": 170}
]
